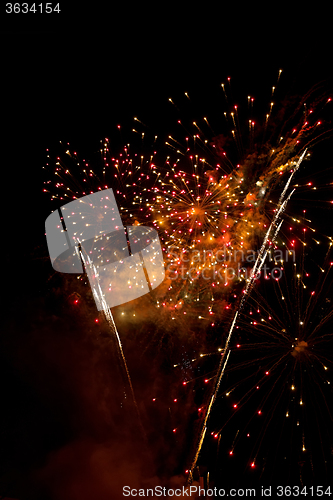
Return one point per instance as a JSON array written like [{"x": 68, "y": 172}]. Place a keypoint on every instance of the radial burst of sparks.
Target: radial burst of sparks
[
  {"x": 220, "y": 201},
  {"x": 279, "y": 369}
]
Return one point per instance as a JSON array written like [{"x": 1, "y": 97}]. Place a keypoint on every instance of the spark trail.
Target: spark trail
[
  {"x": 276, "y": 223},
  {"x": 99, "y": 298}
]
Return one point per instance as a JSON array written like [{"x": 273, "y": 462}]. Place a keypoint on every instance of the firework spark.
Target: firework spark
[
  {"x": 286, "y": 336},
  {"x": 219, "y": 211},
  {"x": 100, "y": 300},
  {"x": 275, "y": 225}
]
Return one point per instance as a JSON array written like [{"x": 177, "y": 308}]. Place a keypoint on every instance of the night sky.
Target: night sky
[{"x": 68, "y": 427}]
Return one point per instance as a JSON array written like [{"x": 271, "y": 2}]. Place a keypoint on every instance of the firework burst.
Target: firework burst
[
  {"x": 278, "y": 378},
  {"x": 209, "y": 210},
  {"x": 213, "y": 193}
]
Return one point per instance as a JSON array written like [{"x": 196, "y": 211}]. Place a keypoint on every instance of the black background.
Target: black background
[{"x": 74, "y": 79}]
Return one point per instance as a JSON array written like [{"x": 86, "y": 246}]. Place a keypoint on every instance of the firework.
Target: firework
[
  {"x": 208, "y": 210},
  {"x": 272, "y": 232},
  {"x": 283, "y": 359},
  {"x": 219, "y": 213},
  {"x": 98, "y": 294}
]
